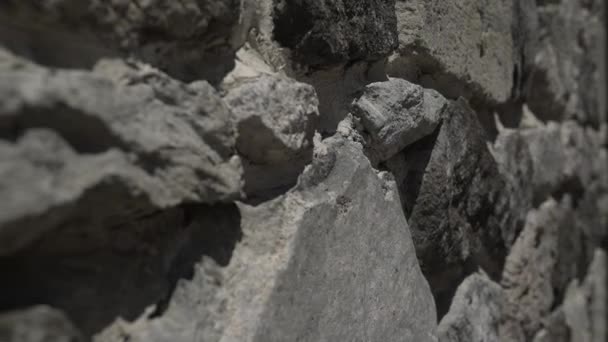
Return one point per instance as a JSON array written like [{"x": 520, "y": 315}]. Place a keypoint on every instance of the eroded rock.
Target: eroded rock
[
  {"x": 397, "y": 113},
  {"x": 133, "y": 130},
  {"x": 317, "y": 253},
  {"x": 322, "y": 33},
  {"x": 531, "y": 266},
  {"x": 460, "y": 210}
]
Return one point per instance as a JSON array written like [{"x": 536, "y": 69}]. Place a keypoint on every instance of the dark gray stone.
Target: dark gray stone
[
  {"x": 322, "y": 33},
  {"x": 476, "y": 312},
  {"x": 568, "y": 79}
]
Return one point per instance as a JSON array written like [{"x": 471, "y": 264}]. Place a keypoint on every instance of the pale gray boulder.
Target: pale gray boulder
[
  {"x": 568, "y": 79},
  {"x": 531, "y": 265},
  {"x": 163, "y": 141},
  {"x": 397, "y": 113}
]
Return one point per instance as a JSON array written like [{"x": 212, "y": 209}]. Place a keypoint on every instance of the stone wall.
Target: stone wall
[{"x": 303, "y": 170}]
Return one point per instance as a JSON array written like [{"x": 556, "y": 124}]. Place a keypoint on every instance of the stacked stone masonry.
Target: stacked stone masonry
[{"x": 303, "y": 170}]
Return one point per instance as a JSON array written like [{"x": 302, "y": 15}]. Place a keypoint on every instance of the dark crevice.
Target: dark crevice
[
  {"x": 98, "y": 270},
  {"x": 85, "y": 133}
]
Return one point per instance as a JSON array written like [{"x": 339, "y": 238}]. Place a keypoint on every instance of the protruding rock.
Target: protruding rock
[
  {"x": 586, "y": 304},
  {"x": 135, "y": 128},
  {"x": 397, "y": 113},
  {"x": 276, "y": 119}
]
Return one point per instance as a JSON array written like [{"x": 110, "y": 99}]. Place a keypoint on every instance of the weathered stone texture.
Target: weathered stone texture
[
  {"x": 476, "y": 311},
  {"x": 397, "y": 113},
  {"x": 568, "y": 78},
  {"x": 303, "y": 170},
  {"x": 464, "y": 48}
]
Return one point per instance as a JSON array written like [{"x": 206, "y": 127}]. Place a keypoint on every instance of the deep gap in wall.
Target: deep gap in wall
[{"x": 99, "y": 271}]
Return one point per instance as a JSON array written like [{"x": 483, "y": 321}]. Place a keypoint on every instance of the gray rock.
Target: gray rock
[
  {"x": 177, "y": 37},
  {"x": 338, "y": 86},
  {"x": 568, "y": 78},
  {"x": 464, "y": 48},
  {"x": 585, "y": 305},
  {"x": 459, "y": 207},
  {"x": 397, "y": 113},
  {"x": 165, "y": 141},
  {"x": 316, "y": 253},
  {"x": 322, "y": 33},
  {"x": 276, "y": 119},
  {"x": 530, "y": 267},
  {"x": 477, "y": 310},
  {"x": 37, "y": 324}
]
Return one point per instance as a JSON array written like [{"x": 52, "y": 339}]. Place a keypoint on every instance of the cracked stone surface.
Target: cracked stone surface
[{"x": 303, "y": 170}]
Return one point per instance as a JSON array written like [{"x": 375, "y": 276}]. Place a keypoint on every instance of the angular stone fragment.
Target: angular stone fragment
[
  {"x": 335, "y": 252},
  {"x": 165, "y": 141},
  {"x": 460, "y": 208},
  {"x": 175, "y": 36},
  {"x": 322, "y": 33},
  {"x": 397, "y": 113},
  {"x": 37, "y": 324},
  {"x": 477, "y": 310},
  {"x": 568, "y": 80},
  {"x": 464, "y": 48},
  {"x": 276, "y": 119}
]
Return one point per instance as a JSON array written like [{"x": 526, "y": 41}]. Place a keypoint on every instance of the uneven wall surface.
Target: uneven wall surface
[{"x": 303, "y": 170}]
